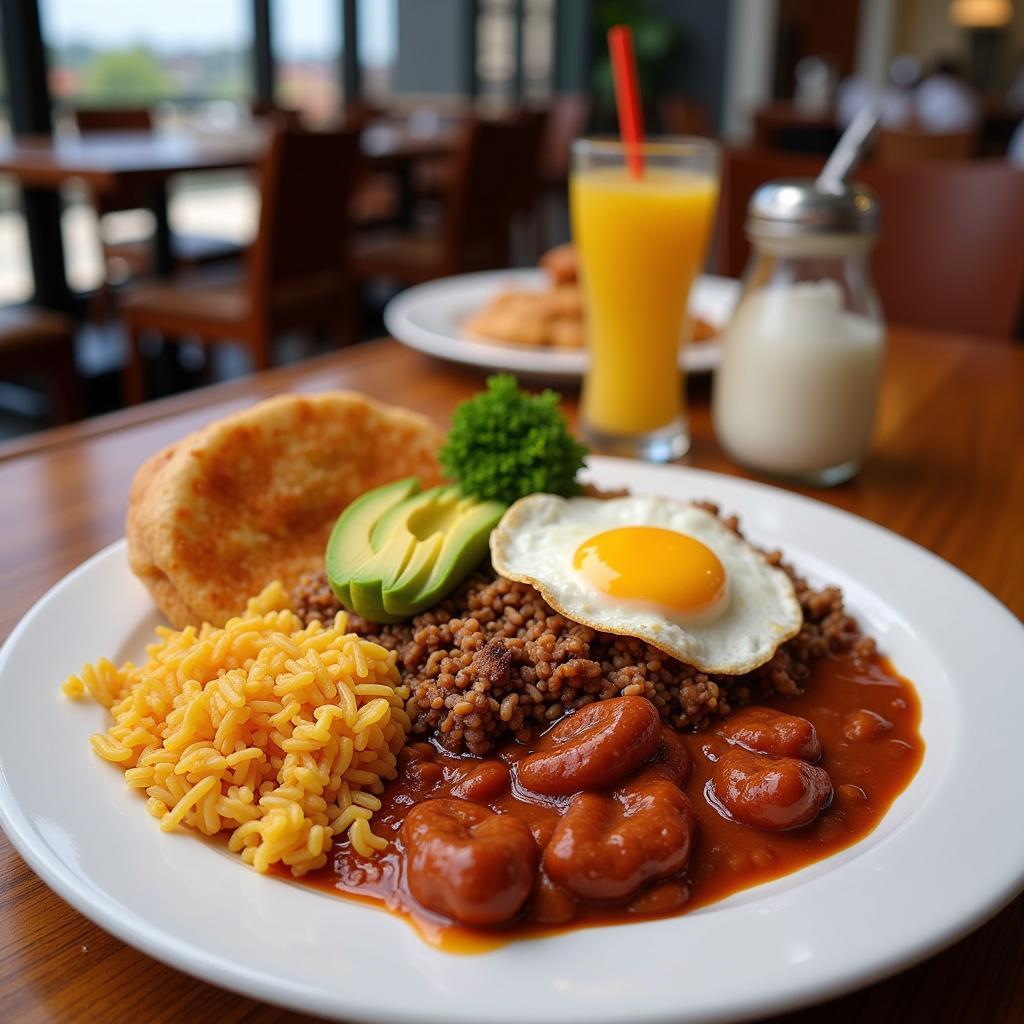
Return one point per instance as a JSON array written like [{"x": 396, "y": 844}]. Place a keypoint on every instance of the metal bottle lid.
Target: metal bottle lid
[{"x": 797, "y": 206}]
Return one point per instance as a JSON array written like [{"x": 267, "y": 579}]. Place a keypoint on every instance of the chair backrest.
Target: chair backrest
[
  {"x": 300, "y": 252},
  {"x": 89, "y": 120},
  {"x": 949, "y": 256},
  {"x": 568, "y": 117},
  {"x": 129, "y": 195},
  {"x": 742, "y": 171},
  {"x": 682, "y": 116},
  {"x": 358, "y": 113},
  {"x": 536, "y": 119},
  {"x": 279, "y": 117},
  {"x": 783, "y": 126},
  {"x": 899, "y": 147},
  {"x": 494, "y": 161}
]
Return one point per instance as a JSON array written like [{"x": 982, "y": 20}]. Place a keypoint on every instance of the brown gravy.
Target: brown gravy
[{"x": 867, "y": 775}]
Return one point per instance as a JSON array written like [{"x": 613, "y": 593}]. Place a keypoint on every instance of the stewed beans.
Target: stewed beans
[
  {"x": 767, "y": 779},
  {"x": 767, "y": 731},
  {"x": 616, "y": 778},
  {"x": 609, "y": 845},
  {"x": 597, "y": 746},
  {"x": 604, "y": 817},
  {"x": 770, "y": 792},
  {"x": 468, "y": 863}
]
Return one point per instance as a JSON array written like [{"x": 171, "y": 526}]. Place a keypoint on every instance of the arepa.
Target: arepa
[{"x": 252, "y": 498}]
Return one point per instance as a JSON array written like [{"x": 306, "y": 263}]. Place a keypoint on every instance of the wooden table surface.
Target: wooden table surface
[
  {"x": 947, "y": 471},
  {"x": 104, "y": 160}
]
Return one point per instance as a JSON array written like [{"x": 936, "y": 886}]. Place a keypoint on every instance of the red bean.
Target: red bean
[
  {"x": 487, "y": 781},
  {"x": 419, "y": 766},
  {"x": 467, "y": 862},
  {"x": 550, "y": 903},
  {"x": 607, "y": 846},
  {"x": 774, "y": 793},
  {"x": 863, "y": 726},
  {"x": 766, "y": 731},
  {"x": 593, "y": 748},
  {"x": 661, "y": 899},
  {"x": 673, "y": 758}
]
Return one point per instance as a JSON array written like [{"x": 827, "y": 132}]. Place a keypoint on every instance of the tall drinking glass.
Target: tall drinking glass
[{"x": 641, "y": 240}]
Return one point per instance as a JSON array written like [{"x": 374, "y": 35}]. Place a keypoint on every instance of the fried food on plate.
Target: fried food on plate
[
  {"x": 252, "y": 498},
  {"x": 533, "y": 319},
  {"x": 561, "y": 264},
  {"x": 514, "y": 317},
  {"x": 553, "y": 317}
]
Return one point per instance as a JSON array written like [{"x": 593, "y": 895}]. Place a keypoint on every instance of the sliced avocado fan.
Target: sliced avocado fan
[{"x": 397, "y": 550}]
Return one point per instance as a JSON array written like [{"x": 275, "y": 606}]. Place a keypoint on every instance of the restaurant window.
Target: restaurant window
[
  {"x": 5, "y": 109},
  {"x": 538, "y": 48},
  {"x": 15, "y": 275},
  {"x": 190, "y": 61},
  {"x": 111, "y": 53},
  {"x": 496, "y": 49},
  {"x": 307, "y": 52},
  {"x": 497, "y": 43},
  {"x": 377, "y": 25}
]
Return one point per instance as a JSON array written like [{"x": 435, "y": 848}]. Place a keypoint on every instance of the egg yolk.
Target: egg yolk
[{"x": 648, "y": 563}]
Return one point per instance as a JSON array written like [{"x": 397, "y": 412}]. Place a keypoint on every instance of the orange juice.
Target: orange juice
[{"x": 640, "y": 241}]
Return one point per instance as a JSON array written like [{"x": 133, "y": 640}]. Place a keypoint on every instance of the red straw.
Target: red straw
[{"x": 627, "y": 96}]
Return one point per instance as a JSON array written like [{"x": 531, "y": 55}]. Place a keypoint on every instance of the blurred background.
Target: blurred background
[{"x": 773, "y": 77}]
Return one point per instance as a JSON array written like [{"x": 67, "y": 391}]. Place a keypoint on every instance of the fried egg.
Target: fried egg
[{"x": 657, "y": 569}]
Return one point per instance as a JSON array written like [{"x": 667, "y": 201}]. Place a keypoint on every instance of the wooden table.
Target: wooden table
[
  {"x": 947, "y": 471},
  {"x": 105, "y": 161},
  {"x": 109, "y": 161}
]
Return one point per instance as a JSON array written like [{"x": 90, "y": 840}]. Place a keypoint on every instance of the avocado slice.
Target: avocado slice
[
  {"x": 466, "y": 534},
  {"x": 402, "y": 591},
  {"x": 398, "y": 550},
  {"x": 349, "y": 546}
]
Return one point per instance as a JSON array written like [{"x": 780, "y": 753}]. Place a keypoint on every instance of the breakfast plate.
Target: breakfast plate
[
  {"x": 947, "y": 855},
  {"x": 429, "y": 317}
]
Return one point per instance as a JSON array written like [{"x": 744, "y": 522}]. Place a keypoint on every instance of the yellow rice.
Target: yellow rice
[{"x": 282, "y": 735}]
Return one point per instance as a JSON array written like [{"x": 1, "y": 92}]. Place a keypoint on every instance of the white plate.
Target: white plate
[
  {"x": 949, "y": 853},
  {"x": 429, "y": 317}
]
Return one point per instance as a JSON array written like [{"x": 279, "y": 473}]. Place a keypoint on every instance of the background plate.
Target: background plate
[
  {"x": 429, "y": 317},
  {"x": 948, "y": 854}
]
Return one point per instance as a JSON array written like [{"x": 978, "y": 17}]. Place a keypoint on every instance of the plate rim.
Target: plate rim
[{"x": 128, "y": 925}]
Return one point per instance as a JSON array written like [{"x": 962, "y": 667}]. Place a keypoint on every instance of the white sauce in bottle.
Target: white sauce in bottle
[{"x": 796, "y": 390}]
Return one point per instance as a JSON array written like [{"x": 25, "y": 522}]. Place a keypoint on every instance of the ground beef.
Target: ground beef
[{"x": 494, "y": 658}]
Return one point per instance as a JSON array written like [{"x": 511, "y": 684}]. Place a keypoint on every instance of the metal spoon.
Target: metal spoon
[{"x": 849, "y": 148}]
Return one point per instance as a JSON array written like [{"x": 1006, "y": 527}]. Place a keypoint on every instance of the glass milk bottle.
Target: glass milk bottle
[{"x": 795, "y": 394}]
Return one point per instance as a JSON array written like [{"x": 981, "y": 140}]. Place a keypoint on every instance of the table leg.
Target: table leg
[
  {"x": 406, "y": 199},
  {"x": 46, "y": 249},
  {"x": 163, "y": 255}
]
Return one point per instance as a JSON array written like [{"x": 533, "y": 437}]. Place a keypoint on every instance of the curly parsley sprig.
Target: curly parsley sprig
[{"x": 505, "y": 444}]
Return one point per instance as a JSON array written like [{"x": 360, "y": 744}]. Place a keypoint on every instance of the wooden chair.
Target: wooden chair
[
  {"x": 479, "y": 203},
  {"x": 297, "y": 272},
  {"x": 536, "y": 120},
  {"x": 40, "y": 343},
  {"x": 435, "y": 178},
  {"x": 91, "y": 120},
  {"x": 279, "y": 117},
  {"x": 949, "y": 255},
  {"x": 528, "y": 191},
  {"x": 137, "y": 254},
  {"x": 568, "y": 116},
  {"x": 682, "y": 116},
  {"x": 782, "y": 125},
  {"x": 900, "y": 147}
]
